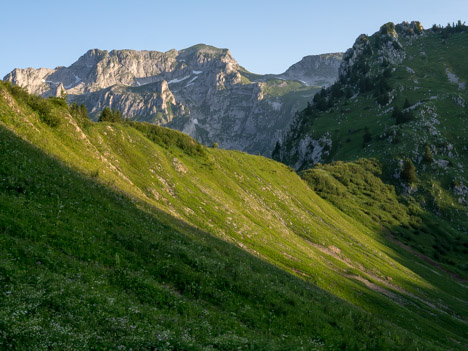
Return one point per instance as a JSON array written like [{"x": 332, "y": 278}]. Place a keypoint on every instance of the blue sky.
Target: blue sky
[{"x": 263, "y": 36}]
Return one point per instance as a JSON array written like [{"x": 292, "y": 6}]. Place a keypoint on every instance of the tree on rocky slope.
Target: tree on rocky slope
[
  {"x": 108, "y": 115},
  {"x": 427, "y": 158},
  {"x": 409, "y": 172}
]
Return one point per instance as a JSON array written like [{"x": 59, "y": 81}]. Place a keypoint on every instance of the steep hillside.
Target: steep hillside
[
  {"x": 400, "y": 98},
  {"x": 201, "y": 90},
  {"x": 380, "y": 72},
  {"x": 130, "y": 213},
  {"x": 400, "y": 90},
  {"x": 84, "y": 267},
  {"x": 356, "y": 188}
]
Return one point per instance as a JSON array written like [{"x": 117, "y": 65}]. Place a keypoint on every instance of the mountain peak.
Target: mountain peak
[
  {"x": 201, "y": 54},
  {"x": 90, "y": 58},
  {"x": 209, "y": 49}
]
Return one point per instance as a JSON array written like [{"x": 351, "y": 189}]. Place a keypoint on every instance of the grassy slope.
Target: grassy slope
[
  {"x": 428, "y": 88},
  {"x": 252, "y": 202},
  {"x": 356, "y": 189},
  {"x": 439, "y": 122},
  {"x": 348, "y": 120},
  {"x": 293, "y": 94}
]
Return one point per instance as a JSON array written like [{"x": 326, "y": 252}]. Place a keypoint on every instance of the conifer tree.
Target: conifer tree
[
  {"x": 406, "y": 104},
  {"x": 117, "y": 116},
  {"x": 427, "y": 158},
  {"x": 409, "y": 172},
  {"x": 367, "y": 137},
  {"x": 106, "y": 115},
  {"x": 83, "y": 111}
]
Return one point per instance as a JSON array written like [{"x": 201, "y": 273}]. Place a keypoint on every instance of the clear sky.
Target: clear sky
[{"x": 264, "y": 36}]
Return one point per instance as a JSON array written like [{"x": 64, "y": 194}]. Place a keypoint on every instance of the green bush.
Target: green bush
[
  {"x": 167, "y": 138},
  {"x": 427, "y": 158},
  {"x": 79, "y": 113},
  {"x": 387, "y": 28},
  {"x": 402, "y": 117},
  {"x": 46, "y": 110},
  {"x": 108, "y": 115},
  {"x": 409, "y": 172},
  {"x": 383, "y": 99},
  {"x": 18, "y": 92}
]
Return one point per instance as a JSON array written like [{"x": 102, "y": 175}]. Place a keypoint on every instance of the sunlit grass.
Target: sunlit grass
[{"x": 87, "y": 211}]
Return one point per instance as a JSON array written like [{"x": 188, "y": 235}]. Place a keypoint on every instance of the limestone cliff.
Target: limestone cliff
[{"x": 201, "y": 90}]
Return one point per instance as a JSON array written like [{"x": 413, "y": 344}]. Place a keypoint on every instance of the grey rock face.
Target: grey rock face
[{"x": 201, "y": 90}]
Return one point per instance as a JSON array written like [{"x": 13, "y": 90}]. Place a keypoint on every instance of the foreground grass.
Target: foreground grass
[{"x": 84, "y": 267}]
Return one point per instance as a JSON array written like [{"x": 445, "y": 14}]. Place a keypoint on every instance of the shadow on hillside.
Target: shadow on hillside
[
  {"x": 70, "y": 222},
  {"x": 73, "y": 230},
  {"x": 440, "y": 291}
]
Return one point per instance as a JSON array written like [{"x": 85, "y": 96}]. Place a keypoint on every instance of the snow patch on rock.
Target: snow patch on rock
[{"x": 178, "y": 80}]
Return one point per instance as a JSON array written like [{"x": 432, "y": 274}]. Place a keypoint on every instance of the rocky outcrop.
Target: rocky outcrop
[
  {"x": 364, "y": 73},
  {"x": 201, "y": 90}
]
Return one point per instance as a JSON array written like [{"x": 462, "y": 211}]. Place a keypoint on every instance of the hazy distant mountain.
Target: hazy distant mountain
[{"x": 315, "y": 70}]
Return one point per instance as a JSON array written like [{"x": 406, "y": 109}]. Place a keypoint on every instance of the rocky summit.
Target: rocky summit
[{"x": 202, "y": 91}]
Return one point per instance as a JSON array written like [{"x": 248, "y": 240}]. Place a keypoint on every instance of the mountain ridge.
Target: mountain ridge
[{"x": 201, "y": 90}]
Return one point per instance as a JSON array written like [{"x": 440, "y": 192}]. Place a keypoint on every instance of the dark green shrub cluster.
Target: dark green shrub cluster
[
  {"x": 382, "y": 88},
  {"x": 18, "y": 92},
  {"x": 48, "y": 110},
  {"x": 322, "y": 184},
  {"x": 367, "y": 137},
  {"x": 79, "y": 113},
  {"x": 108, "y": 115},
  {"x": 167, "y": 138},
  {"x": 322, "y": 100},
  {"x": 445, "y": 32},
  {"x": 409, "y": 172},
  {"x": 276, "y": 154},
  {"x": 45, "y": 110},
  {"x": 402, "y": 116},
  {"x": 357, "y": 189}
]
